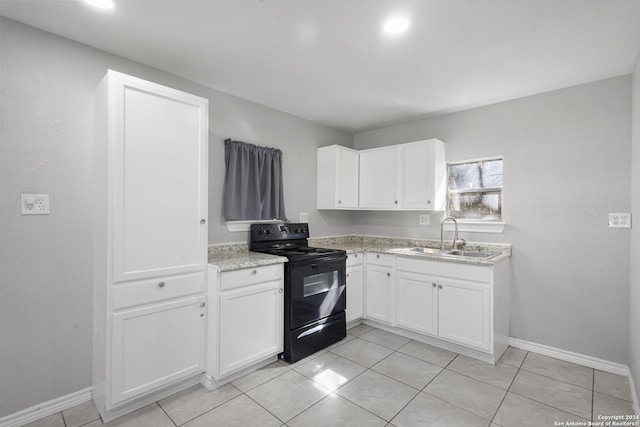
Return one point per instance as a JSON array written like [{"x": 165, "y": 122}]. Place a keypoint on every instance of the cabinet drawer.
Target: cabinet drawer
[
  {"x": 158, "y": 289},
  {"x": 380, "y": 259},
  {"x": 250, "y": 276},
  {"x": 354, "y": 259},
  {"x": 457, "y": 270}
]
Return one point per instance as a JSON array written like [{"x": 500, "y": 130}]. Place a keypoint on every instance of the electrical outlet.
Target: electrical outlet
[
  {"x": 424, "y": 219},
  {"x": 304, "y": 217},
  {"x": 620, "y": 220},
  {"x": 34, "y": 204}
]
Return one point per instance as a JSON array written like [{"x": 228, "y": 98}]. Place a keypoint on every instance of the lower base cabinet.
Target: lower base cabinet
[
  {"x": 246, "y": 315},
  {"x": 379, "y": 285},
  {"x": 463, "y": 304},
  {"x": 417, "y": 302},
  {"x": 156, "y": 346},
  {"x": 355, "y": 287},
  {"x": 464, "y": 313}
]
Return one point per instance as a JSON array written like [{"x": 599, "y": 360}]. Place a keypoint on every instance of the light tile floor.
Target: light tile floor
[{"x": 375, "y": 378}]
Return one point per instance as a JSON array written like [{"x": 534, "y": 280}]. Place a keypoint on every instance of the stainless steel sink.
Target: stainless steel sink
[
  {"x": 471, "y": 254},
  {"x": 417, "y": 250}
]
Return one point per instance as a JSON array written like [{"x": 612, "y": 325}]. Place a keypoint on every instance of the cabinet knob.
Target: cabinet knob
[
  {"x": 355, "y": 255},
  {"x": 254, "y": 272},
  {"x": 396, "y": 202},
  {"x": 161, "y": 284},
  {"x": 433, "y": 284},
  {"x": 388, "y": 274},
  {"x": 428, "y": 202},
  {"x": 378, "y": 256},
  {"x": 201, "y": 314},
  {"x": 280, "y": 290},
  {"x": 202, "y": 221},
  {"x": 347, "y": 274},
  {"x": 202, "y": 304},
  {"x": 339, "y": 201},
  {"x": 439, "y": 286}
]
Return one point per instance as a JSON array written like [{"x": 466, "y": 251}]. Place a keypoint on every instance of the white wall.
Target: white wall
[
  {"x": 634, "y": 296},
  {"x": 567, "y": 164},
  {"x": 46, "y": 147}
]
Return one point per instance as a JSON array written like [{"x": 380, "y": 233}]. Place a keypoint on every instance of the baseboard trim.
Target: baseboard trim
[
  {"x": 45, "y": 409},
  {"x": 569, "y": 356},
  {"x": 634, "y": 395}
]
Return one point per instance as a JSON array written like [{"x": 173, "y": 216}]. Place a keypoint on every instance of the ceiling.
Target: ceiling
[{"x": 329, "y": 61}]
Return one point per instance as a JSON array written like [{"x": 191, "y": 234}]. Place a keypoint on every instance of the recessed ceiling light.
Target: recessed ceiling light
[
  {"x": 396, "y": 25},
  {"x": 102, "y": 4}
]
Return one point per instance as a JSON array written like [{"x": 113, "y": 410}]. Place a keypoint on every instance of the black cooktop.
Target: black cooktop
[{"x": 288, "y": 240}]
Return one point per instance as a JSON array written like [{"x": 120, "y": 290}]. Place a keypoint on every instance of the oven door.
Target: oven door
[{"x": 316, "y": 290}]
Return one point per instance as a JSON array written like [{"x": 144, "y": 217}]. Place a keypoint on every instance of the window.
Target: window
[{"x": 474, "y": 190}]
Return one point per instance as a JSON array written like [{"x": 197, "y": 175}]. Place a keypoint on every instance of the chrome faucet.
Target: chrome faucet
[{"x": 456, "y": 240}]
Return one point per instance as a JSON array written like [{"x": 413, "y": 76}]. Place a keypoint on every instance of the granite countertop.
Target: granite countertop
[
  {"x": 237, "y": 256},
  {"x": 353, "y": 244},
  {"x": 227, "y": 257}
]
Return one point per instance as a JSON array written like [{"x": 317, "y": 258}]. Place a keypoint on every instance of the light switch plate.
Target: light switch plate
[
  {"x": 34, "y": 204},
  {"x": 620, "y": 220}
]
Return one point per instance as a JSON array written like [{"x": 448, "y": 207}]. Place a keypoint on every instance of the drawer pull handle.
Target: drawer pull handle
[
  {"x": 254, "y": 272},
  {"x": 161, "y": 284}
]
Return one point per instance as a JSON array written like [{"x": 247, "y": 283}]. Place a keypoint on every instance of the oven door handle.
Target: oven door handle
[{"x": 316, "y": 329}]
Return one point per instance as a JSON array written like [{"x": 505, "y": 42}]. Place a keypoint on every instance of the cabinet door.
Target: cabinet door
[
  {"x": 347, "y": 171},
  {"x": 464, "y": 313},
  {"x": 251, "y": 325},
  {"x": 380, "y": 179},
  {"x": 418, "y": 181},
  {"x": 159, "y": 180},
  {"x": 355, "y": 292},
  {"x": 417, "y": 302},
  {"x": 155, "y": 346},
  {"x": 379, "y": 295}
]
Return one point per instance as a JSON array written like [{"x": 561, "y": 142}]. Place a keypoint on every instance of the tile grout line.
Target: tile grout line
[
  {"x": 508, "y": 388},
  {"x": 168, "y": 416}
]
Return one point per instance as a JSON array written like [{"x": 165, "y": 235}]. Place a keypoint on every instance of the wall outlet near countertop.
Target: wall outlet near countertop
[
  {"x": 304, "y": 217},
  {"x": 34, "y": 204},
  {"x": 620, "y": 220},
  {"x": 424, "y": 219}
]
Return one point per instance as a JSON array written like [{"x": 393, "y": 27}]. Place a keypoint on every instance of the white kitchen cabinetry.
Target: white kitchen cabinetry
[
  {"x": 461, "y": 303},
  {"x": 150, "y": 250},
  {"x": 380, "y": 293},
  {"x": 355, "y": 287},
  {"x": 408, "y": 176},
  {"x": 337, "y": 178},
  {"x": 424, "y": 175},
  {"x": 417, "y": 302},
  {"x": 246, "y": 319},
  {"x": 464, "y": 312},
  {"x": 380, "y": 178}
]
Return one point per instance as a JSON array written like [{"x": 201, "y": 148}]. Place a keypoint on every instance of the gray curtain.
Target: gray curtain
[{"x": 253, "y": 182}]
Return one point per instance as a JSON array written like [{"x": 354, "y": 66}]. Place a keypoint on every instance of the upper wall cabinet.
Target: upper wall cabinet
[
  {"x": 398, "y": 177},
  {"x": 423, "y": 173},
  {"x": 380, "y": 179},
  {"x": 337, "y": 184}
]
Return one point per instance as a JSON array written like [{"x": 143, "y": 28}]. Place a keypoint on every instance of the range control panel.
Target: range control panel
[{"x": 283, "y": 231}]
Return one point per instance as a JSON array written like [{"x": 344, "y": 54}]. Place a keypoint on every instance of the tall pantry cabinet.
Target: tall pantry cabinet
[{"x": 150, "y": 250}]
